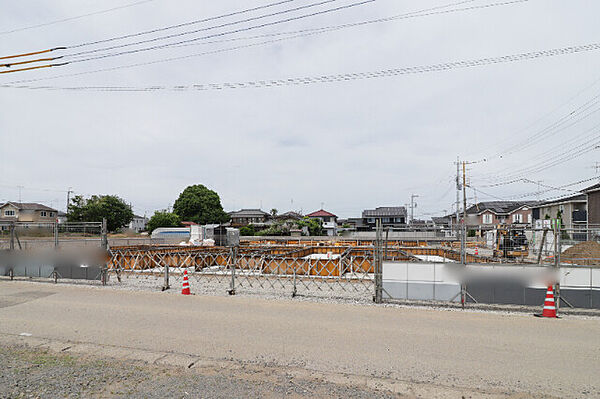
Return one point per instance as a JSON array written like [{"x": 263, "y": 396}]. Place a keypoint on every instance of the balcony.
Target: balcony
[{"x": 579, "y": 216}]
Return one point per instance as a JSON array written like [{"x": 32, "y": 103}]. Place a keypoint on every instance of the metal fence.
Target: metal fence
[
  {"x": 53, "y": 250},
  {"x": 312, "y": 271},
  {"x": 46, "y": 235}
]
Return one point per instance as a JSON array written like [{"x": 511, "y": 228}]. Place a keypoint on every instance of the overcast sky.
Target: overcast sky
[{"x": 349, "y": 145}]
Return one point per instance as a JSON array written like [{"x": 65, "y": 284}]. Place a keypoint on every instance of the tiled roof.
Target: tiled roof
[
  {"x": 29, "y": 206},
  {"x": 572, "y": 198},
  {"x": 321, "y": 213},
  {"x": 385, "y": 211},
  {"x": 248, "y": 213},
  {"x": 498, "y": 207}
]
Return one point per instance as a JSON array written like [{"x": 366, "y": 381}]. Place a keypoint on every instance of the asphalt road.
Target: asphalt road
[{"x": 412, "y": 350}]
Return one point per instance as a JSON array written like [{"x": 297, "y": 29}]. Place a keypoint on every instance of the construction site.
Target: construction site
[{"x": 509, "y": 270}]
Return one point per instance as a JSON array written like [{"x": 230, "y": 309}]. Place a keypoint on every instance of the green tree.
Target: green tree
[
  {"x": 116, "y": 211},
  {"x": 200, "y": 205},
  {"x": 163, "y": 218},
  {"x": 273, "y": 212},
  {"x": 314, "y": 226},
  {"x": 247, "y": 231}
]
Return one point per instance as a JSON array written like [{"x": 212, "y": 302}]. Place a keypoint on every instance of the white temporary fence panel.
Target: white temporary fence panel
[
  {"x": 571, "y": 277},
  {"x": 596, "y": 278},
  {"x": 440, "y": 281},
  {"x": 419, "y": 281}
]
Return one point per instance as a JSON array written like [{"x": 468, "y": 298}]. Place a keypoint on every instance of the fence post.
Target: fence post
[
  {"x": 294, "y": 292},
  {"x": 55, "y": 235},
  {"x": 557, "y": 251},
  {"x": 166, "y": 285},
  {"x": 378, "y": 264},
  {"x": 232, "y": 267},
  {"x": 104, "y": 232},
  {"x": 104, "y": 245},
  {"x": 12, "y": 236}
]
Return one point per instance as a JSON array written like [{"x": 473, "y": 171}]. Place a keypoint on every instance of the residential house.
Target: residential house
[
  {"x": 488, "y": 214},
  {"x": 390, "y": 216},
  {"x": 138, "y": 223},
  {"x": 442, "y": 221},
  {"x": 288, "y": 216},
  {"x": 27, "y": 212},
  {"x": 244, "y": 217},
  {"x": 592, "y": 214},
  {"x": 572, "y": 210},
  {"x": 328, "y": 221}
]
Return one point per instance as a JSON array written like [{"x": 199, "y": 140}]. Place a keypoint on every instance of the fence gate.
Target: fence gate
[{"x": 313, "y": 271}]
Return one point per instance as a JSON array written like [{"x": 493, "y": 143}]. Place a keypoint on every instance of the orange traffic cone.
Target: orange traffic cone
[
  {"x": 186, "y": 285},
  {"x": 476, "y": 251},
  {"x": 549, "y": 305}
]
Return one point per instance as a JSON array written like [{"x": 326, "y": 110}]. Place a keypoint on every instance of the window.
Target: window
[
  {"x": 43, "y": 213},
  {"x": 517, "y": 218},
  {"x": 487, "y": 218},
  {"x": 51, "y": 214},
  {"x": 9, "y": 213},
  {"x": 529, "y": 218}
]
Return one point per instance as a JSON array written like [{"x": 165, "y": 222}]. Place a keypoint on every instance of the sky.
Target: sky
[{"x": 344, "y": 146}]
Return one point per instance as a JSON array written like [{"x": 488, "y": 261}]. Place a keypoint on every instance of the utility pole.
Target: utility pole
[
  {"x": 69, "y": 192},
  {"x": 458, "y": 224},
  {"x": 20, "y": 188},
  {"x": 464, "y": 224},
  {"x": 412, "y": 207}
]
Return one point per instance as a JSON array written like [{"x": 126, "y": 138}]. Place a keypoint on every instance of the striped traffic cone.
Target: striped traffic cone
[
  {"x": 549, "y": 305},
  {"x": 186, "y": 284},
  {"x": 476, "y": 251}
]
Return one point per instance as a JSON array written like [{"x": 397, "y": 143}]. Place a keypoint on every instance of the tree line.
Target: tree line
[{"x": 196, "y": 204}]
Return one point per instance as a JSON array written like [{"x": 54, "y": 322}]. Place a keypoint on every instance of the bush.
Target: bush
[
  {"x": 247, "y": 231},
  {"x": 163, "y": 219}
]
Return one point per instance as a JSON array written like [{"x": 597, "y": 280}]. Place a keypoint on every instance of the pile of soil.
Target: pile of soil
[{"x": 585, "y": 253}]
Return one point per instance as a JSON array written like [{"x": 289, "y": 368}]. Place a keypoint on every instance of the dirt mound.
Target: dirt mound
[{"x": 586, "y": 253}]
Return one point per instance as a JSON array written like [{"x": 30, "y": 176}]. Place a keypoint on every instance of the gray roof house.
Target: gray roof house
[
  {"x": 390, "y": 216},
  {"x": 245, "y": 217}
]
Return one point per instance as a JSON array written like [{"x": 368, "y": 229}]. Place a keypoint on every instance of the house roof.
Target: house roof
[
  {"x": 29, "y": 206},
  {"x": 385, "y": 211},
  {"x": 498, "y": 207},
  {"x": 248, "y": 213},
  {"x": 290, "y": 215},
  {"x": 595, "y": 187},
  {"x": 572, "y": 198},
  {"x": 321, "y": 213},
  {"x": 441, "y": 219}
]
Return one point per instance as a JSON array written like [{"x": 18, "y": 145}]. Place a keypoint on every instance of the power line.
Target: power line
[
  {"x": 205, "y": 37},
  {"x": 299, "y": 33},
  {"x": 245, "y": 29},
  {"x": 181, "y": 25},
  {"x": 345, "y": 77},
  {"x": 190, "y": 32},
  {"x": 566, "y": 144},
  {"x": 75, "y": 17}
]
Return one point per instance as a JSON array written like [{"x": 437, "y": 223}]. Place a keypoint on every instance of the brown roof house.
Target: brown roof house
[
  {"x": 328, "y": 220},
  {"x": 27, "y": 212}
]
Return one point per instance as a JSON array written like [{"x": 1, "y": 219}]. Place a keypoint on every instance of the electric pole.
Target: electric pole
[
  {"x": 412, "y": 207},
  {"x": 458, "y": 223},
  {"x": 20, "y": 188},
  {"x": 69, "y": 191}
]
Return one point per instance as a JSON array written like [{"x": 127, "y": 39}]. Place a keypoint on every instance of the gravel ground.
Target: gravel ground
[{"x": 38, "y": 373}]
